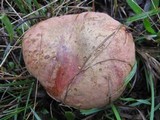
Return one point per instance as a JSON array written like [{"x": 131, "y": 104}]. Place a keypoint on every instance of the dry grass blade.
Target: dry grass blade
[
  {"x": 16, "y": 78},
  {"x": 128, "y": 113},
  {"x": 1, "y": 64},
  {"x": 49, "y": 4},
  {"x": 152, "y": 64}
]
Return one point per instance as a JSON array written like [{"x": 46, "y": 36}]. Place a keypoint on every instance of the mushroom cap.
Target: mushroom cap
[{"x": 82, "y": 59}]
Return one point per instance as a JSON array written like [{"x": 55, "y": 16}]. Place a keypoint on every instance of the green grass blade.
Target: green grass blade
[
  {"x": 35, "y": 114},
  {"x": 11, "y": 113},
  {"x": 155, "y": 4},
  {"x": 131, "y": 74},
  {"x": 148, "y": 26},
  {"x": 140, "y": 102},
  {"x": 69, "y": 115},
  {"x": 91, "y": 111},
  {"x": 143, "y": 101},
  {"x": 6, "y": 51},
  {"x": 127, "y": 99},
  {"x": 149, "y": 78},
  {"x": 138, "y": 10},
  {"x": 143, "y": 15},
  {"x": 36, "y": 4},
  {"x": 27, "y": 102},
  {"x": 152, "y": 97},
  {"x": 20, "y": 5},
  {"x": 157, "y": 107},
  {"x": 8, "y": 26},
  {"x": 7, "y": 117},
  {"x": 16, "y": 83},
  {"x": 115, "y": 111},
  {"x": 29, "y": 5},
  {"x": 135, "y": 7},
  {"x": 136, "y": 101},
  {"x": 29, "y": 2}
]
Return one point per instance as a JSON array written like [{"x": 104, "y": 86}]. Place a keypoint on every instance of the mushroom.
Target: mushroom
[{"x": 81, "y": 60}]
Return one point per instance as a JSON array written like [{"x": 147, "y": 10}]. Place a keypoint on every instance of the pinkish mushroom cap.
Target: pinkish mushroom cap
[{"x": 81, "y": 60}]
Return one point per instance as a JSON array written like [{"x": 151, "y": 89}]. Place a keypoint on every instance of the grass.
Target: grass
[{"x": 22, "y": 97}]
